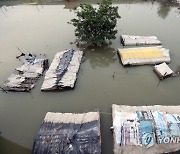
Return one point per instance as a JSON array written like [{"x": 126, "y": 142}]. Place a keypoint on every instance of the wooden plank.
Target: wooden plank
[
  {"x": 69, "y": 133},
  {"x": 123, "y": 143}
]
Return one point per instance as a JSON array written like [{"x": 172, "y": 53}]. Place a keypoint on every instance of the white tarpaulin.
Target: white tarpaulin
[
  {"x": 163, "y": 70},
  {"x": 24, "y": 78},
  {"x": 139, "y": 40}
]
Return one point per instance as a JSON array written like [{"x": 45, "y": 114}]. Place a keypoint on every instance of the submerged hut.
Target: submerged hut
[
  {"x": 69, "y": 133},
  {"x": 146, "y": 129},
  {"x": 139, "y": 40},
  {"x": 63, "y": 70},
  {"x": 144, "y": 55},
  {"x": 25, "y": 77},
  {"x": 163, "y": 70}
]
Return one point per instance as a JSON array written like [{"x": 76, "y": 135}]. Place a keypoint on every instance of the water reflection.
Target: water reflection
[
  {"x": 3, "y": 10},
  {"x": 163, "y": 10},
  {"x": 100, "y": 56},
  {"x": 70, "y": 4}
]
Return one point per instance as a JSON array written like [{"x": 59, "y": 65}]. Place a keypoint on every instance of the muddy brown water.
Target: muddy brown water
[{"x": 102, "y": 80}]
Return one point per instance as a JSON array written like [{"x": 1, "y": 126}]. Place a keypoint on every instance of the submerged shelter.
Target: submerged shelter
[
  {"x": 25, "y": 77},
  {"x": 163, "y": 70},
  {"x": 69, "y": 133},
  {"x": 144, "y": 55},
  {"x": 139, "y": 40},
  {"x": 146, "y": 129},
  {"x": 63, "y": 70}
]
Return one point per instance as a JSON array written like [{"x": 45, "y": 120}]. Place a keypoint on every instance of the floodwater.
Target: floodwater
[{"x": 102, "y": 80}]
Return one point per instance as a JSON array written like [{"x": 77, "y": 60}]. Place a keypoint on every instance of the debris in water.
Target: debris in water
[
  {"x": 21, "y": 55},
  {"x": 177, "y": 72},
  {"x": 3, "y": 90},
  {"x": 113, "y": 75}
]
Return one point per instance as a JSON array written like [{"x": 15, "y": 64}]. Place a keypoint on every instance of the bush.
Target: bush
[{"x": 95, "y": 25}]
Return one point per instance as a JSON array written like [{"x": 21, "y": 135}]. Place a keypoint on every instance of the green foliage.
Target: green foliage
[{"x": 95, "y": 25}]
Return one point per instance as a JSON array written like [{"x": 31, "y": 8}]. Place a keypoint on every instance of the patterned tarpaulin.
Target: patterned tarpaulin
[{"x": 146, "y": 129}]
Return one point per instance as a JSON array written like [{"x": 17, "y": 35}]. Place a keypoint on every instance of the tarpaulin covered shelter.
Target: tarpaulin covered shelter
[
  {"x": 163, "y": 70},
  {"x": 144, "y": 55},
  {"x": 139, "y": 40},
  {"x": 69, "y": 133},
  {"x": 146, "y": 129},
  {"x": 25, "y": 77},
  {"x": 63, "y": 70}
]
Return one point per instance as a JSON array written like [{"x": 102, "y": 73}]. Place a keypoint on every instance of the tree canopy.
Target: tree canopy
[{"x": 95, "y": 25}]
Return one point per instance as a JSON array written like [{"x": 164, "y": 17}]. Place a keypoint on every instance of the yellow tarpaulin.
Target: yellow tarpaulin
[{"x": 140, "y": 53}]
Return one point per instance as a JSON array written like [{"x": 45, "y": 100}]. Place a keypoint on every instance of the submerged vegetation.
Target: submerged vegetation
[{"x": 96, "y": 25}]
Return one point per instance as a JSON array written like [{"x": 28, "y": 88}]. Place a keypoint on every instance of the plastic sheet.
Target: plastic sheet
[
  {"x": 63, "y": 70},
  {"x": 139, "y": 40},
  {"x": 69, "y": 133},
  {"x": 146, "y": 129},
  {"x": 144, "y": 55},
  {"x": 25, "y": 77}
]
